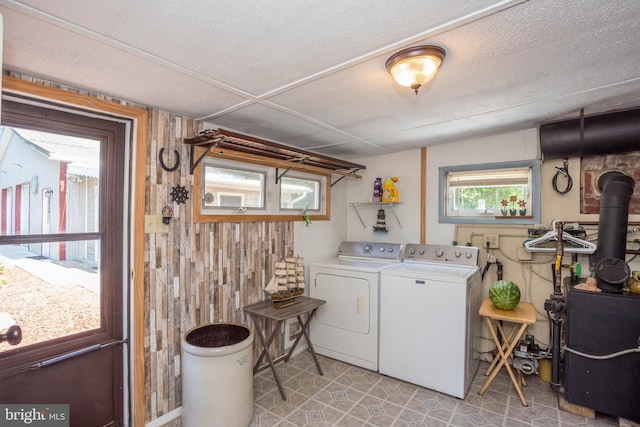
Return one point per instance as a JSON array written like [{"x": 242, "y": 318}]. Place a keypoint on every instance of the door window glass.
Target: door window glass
[
  {"x": 47, "y": 297},
  {"x": 49, "y": 223}
]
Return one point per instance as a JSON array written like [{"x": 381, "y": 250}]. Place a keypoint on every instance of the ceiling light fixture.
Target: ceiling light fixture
[{"x": 415, "y": 66}]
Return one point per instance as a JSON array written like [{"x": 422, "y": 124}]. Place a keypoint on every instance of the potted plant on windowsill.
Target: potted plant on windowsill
[
  {"x": 504, "y": 209},
  {"x": 523, "y": 207},
  {"x": 512, "y": 208}
]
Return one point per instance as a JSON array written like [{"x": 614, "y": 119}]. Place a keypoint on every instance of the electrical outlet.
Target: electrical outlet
[
  {"x": 493, "y": 240},
  {"x": 154, "y": 224},
  {"x": 291, "y": 331}
]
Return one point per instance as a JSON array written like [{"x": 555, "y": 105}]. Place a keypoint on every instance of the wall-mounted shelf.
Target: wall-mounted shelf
[
  {"x": 235, "y": 146},
  {"x": 376, "y": 205}
]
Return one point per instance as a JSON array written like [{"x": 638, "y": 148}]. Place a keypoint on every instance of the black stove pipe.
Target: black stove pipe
[
  {"x": 611, "y": 270},
  {"x": 596, "y": 135}
]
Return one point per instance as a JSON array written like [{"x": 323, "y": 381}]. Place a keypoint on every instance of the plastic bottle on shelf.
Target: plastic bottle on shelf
[
  {"x": 390, "y": 191},
  {"x": 377, "y": 190}
]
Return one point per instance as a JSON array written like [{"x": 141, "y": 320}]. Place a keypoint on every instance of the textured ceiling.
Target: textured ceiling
[{"x": 312, "y": 74}]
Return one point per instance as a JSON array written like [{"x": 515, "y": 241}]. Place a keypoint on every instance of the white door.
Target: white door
[
  {"x": 24, "y": 208},
  {"x": 346, "y": 327},
  {"x": 347, "y": 302},
  {"x": 46, "y": 219}
]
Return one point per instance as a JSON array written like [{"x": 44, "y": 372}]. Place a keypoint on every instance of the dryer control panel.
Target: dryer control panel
[{"x": 371, "y": 250}]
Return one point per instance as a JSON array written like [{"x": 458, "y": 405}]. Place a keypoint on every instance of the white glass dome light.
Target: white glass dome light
[{"x": 415, "y": 66}]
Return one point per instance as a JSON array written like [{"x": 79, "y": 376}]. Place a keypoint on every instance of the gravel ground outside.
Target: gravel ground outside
[{"x": 43, "y": 310}]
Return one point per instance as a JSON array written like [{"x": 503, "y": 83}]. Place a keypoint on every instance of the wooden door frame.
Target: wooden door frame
[{"x": 140, "y": 119}]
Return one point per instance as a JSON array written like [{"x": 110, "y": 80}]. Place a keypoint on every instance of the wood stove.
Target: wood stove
[{"x": 602, "y": 324}]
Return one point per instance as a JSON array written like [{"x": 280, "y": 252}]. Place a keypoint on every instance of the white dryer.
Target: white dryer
[
  {"x": 346, "y": 327},
  {"x": 429, "y": 317}
]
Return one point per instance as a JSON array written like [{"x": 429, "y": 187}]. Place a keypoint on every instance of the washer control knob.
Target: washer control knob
[
  {"x": 439, "y": 252},
  {"x": 458, "y": 254},
  {"x": 412, "y": 251},
  {"x": 390, "y": 250},
  {"x": 367, "y": 248},
  {"x": 421, "y": 251},
  {"x": 468, "y": 254},
  {"x": 381, "y": 249}
]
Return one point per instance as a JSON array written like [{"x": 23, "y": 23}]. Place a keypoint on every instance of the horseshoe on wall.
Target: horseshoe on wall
[{"x": 164, "y": 166}]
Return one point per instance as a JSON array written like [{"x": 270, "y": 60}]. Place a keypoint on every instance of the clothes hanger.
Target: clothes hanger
[{"x": 571, "y": 243}]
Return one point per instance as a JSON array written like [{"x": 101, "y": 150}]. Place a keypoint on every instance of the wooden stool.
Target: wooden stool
[{"x": 521, "y": 317}]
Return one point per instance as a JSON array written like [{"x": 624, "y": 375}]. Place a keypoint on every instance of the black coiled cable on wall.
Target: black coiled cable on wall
[{"x": 563, "y": 171}]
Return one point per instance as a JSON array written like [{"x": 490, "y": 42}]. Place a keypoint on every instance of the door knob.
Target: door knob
[{"x": 13, "y": 335}]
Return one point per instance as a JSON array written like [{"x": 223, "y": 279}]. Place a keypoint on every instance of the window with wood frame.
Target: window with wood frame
[{"x": 238, "y": 191}]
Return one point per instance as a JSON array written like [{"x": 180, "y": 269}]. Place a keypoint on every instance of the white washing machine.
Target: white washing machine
[
  {"x": 429, "y": 321},
  {"x": 346, "y": 327}
]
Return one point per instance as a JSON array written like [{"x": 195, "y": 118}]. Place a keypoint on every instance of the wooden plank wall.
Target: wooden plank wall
[{"x": 192, "y": 273}]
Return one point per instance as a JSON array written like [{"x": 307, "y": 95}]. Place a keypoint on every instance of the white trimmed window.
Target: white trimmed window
[{"x": 490, "y": 193}]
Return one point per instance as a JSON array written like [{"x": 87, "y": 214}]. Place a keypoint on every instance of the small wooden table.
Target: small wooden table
[
  {"x": 521, "y": 317},
  {"x": 265, "y": 310}
]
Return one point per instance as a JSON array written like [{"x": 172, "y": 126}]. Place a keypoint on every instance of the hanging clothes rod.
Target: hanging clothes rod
[{"x": 547, "y": 243}]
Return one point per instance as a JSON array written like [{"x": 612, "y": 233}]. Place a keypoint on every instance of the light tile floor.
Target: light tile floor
[{"x": 349, "y": 396}]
